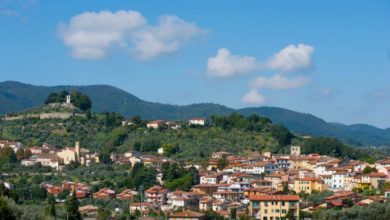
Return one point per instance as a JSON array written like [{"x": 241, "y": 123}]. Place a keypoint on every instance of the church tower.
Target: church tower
[
  {"x": 77, "y": 149},
  {"x": 295, "y": 150}
]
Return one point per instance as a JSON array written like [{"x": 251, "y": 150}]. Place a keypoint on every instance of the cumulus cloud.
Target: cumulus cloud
[
  {"x": 167, "y": 37},
  {"x": 91, "y": 35},
  {"x": 292, "y": 58},
  {"x": 225, "y": 64},
  {"x": 253, "y": 97},
  {"x": 279, "y": 82}
]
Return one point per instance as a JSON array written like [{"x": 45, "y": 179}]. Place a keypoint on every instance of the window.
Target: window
[
  {"x": 284, "y": 211},
  {"x": 283, "y": 203},
  {"x": 277, "y": 210}
]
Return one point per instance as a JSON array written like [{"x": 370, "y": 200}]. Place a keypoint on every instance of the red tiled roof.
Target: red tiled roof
[
  {"x": 274, "y": 198},
  {"x": 187, "y": 214}
]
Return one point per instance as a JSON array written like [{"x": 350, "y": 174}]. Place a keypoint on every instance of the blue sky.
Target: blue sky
[{"x": 327, "y": 58}]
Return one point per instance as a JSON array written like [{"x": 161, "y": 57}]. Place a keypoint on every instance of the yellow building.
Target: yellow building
[
  {"x": 274, "y": 207},
  {"x": 309, "y": 184},
  {"x": 363, "y": 186}
]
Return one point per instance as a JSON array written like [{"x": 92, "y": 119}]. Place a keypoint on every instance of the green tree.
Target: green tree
[
  {"x": 368, "y": 170},
  {"x": 290, "y": 215},
  {"x": 6, "y": 213},
  {"x": 27, "y": 153},
  {"x": 52, "y": 206},
  {"x": 233, "y": 213},
  {"x": 72, "y": 207},
  {"x": 104, "y": 214},
  {"x": 81, "y": 101},
  {"x": 281, "y": 134},
  {"x": 222, "y": 163},
  {"x": 19, "y": 154},
  {"x": 7, "y": 155},
  {"x": 136, "y": 119}
]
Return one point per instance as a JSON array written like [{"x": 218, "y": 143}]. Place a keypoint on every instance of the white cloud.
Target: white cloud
[
  {"x": 167, "y": 37},
  {"x": 279, "y": 82},
  {"x": 292, "y": 58},
  {"x": 225, "y": 64},
  {"x": 253, "y": 97},
  {"x": 91, "y": 35}
]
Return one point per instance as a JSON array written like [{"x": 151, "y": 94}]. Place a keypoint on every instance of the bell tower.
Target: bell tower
[{"x": 295, "y": 150}]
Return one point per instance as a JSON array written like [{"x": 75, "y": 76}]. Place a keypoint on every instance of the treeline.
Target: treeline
[
  {"x": 79, "y": 100},
  {"x": 7, "y": 155},
  {"x": 254, "y": 123},
  {"x": 374, "y": 211},
  {"x": 335, "y": 148},
  {"x": 235, "y": 120}
]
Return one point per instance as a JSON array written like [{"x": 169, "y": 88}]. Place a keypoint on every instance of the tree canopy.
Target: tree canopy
[{"x": 79, "y": 100}]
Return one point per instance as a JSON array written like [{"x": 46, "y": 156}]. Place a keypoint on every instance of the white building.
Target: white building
[
  {"x": 197, "y": 121},
  {"x": 263, "y": 167},
  {"x": 154, "y": 124},
  {"x": 338, "y": 180},
  {"x": 211, "y": 179}
]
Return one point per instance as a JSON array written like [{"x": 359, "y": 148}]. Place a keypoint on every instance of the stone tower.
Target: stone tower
[{"x": 296, "y": 150}]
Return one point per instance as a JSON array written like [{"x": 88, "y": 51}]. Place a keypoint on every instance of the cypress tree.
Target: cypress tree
[{"x": 72, "y": 207}]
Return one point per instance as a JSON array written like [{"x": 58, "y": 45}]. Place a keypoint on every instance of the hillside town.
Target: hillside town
[{"x": 265, "y": 186}]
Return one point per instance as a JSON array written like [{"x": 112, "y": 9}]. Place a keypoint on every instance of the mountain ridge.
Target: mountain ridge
[{"x": 16, "y": 96}]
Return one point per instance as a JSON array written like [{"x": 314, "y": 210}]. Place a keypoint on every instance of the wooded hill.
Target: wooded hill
[{"x": 15, "y": 96}]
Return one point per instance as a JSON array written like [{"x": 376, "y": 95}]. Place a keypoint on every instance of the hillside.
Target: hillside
[{"x": 15, "y": 96}]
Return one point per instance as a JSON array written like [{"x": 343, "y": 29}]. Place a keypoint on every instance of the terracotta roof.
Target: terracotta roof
[
  {"x": 274, "y": 198},
  {"x": 308, "y": 179},
  {"x": 187, "y": 214},
  {"x": 138, "y": 204},
  {"x": 377, "y": 175},
  {"x": 156, "y": 189}
]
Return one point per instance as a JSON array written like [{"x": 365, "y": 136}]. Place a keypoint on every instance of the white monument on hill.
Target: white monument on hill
[{"x": 67, "y": 99}]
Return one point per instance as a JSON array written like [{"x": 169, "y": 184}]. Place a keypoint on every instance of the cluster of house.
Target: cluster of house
[
  {"x": 258, "y": 185},
  {"x": 47, "y": 155},
  {"x": 84, "y": 191},
  {"x": 261, "y": 186},
  {"x": 171, "y": 124}
]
